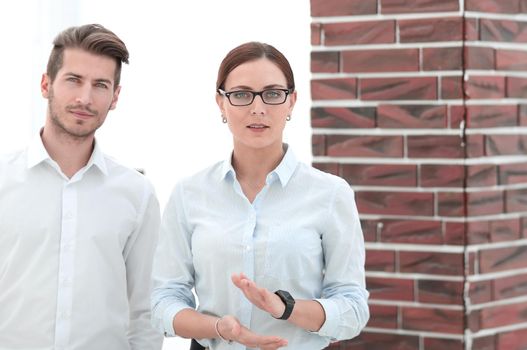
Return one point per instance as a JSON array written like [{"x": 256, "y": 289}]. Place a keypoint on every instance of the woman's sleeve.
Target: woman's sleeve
[
  {"x": 173, "y": 271},
  {"x": 344, "y": 295}
]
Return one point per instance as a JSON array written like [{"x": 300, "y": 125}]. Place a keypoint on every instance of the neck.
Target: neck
[
  {"x": 70, "y": 153},
  {"x": 253, "y": 165}
]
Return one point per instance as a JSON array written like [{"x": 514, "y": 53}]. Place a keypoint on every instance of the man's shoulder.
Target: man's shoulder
[{"x": 126, "y": 174}]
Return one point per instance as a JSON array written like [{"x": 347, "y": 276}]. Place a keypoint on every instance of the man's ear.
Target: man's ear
[
  {"x": 115, "y": 97},
  {"x": 45, "y": 85}
]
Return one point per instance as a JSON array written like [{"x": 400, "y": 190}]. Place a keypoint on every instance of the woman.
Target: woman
[{"x": 273, "y": 247}]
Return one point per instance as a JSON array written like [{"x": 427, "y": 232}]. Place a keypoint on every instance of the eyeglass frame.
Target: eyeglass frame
[{"x": 254, "y": 94}]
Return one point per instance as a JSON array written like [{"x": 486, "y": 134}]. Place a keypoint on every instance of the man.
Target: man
[{"x": 77, "y": 230}]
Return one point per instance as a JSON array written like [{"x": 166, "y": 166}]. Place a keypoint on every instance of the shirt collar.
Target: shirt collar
[
  {"x": 37, "y": 154},
  {"x": 284, "y": 170}
]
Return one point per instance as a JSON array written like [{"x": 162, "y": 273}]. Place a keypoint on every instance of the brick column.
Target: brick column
[{"x": 422, "y": 106}]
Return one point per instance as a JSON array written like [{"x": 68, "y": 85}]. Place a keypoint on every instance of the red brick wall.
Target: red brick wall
[{"x": 422, "y": 106}]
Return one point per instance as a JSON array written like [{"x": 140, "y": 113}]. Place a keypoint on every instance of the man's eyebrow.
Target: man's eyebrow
[
  {"x": 73, "y": 75},
  {"x": 104, "y": 81}
]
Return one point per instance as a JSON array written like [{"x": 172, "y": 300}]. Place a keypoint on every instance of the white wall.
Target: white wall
[{"x": 166, "y": 120}]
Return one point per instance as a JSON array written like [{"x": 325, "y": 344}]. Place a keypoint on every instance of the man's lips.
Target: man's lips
[{"x": 81, "y": 113}]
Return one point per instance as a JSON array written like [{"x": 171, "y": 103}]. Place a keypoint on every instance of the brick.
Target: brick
[
  {"x": 434, "y": 146},
  {"x": 480, "y": 292},
  {"x": 513, "y": 340},
  {"x": 318, "y": 145},
  {"x": 410, "y": 6},
  {"x": 440, "y": 292},
  {"x": 411, "y": 116},
  {"x": 523, "y": 227},
  {"x": 485, "y": 343},
  {"x": 411, "y": 231},
  {"x": 325, "y": 62},
  {"x": 433, "y": 320},
  {"x": 502, "y": 259},
  {"x": 471, "y": 29},
  {"x": 451, "y": 204},
  {"x": 334, "y": 89},
  {"x": 383, "y": 60},
  {"x": 522, "y": 114},
  {"x": 417, "y": 88},
  {"x": 505, "y": 230},
  {"x": 316, "y": 30},
  {"x": 342, "y": 117},
  {"x": 456, "y": 114},
  {"x": 369, "y": 230},
  {"x": 441, "y": 175},
  {"x": 442, "y": 58},
  {"x": 357, "y": 33},
  {"x": 442, "y": 344},
  {"x": 452, "y": 88},
  {"x": 482, "y": 175},
  {"x": 516, "y": 200},
  {"x": 484, "y": 87},
  {"x": 431, "y": 30},
  {"x": 503, "y": 315},
  {"x": 490, "y": 116},
  {"x": 510, "y": 287},
  {"x": 511, "y": 60},
  {"x": 380, "y": 260},
  {"x": 377, "y": 341},
  {"x": 492, "y": 6},
  {"x": 431, "y": 263},
  {"x": 380, "y": 174},
  {"x": 322, "y": 8},
  {"x": 516, "y": 87},
  {"x": 479, "y": 57},
  {"x": 364, "y": 146},
  {"x": 383, "y": 316},
  {"x": 390, "y": 288},
  {"x": 395, "y": 203},
  {"x": 484, "y": 203},
  {"x": 500, "y": 145},
  {"x": 503, "y": 30},
  {"x": 331, "y": 168},
  {"x": 475, "y": 146},
  {"x": 514, "y": 173},
  {"x": 478, "y": 232},
  {"x": 454, "y": 233}
]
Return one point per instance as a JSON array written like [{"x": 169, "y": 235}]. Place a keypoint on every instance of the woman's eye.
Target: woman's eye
[{"x": 240, "y": 94}]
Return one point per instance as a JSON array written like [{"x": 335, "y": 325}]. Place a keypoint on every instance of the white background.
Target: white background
[{"x": 166, "y": 121}]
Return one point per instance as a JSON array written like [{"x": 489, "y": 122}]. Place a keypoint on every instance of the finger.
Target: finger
[{"x": 238, "y": 280}]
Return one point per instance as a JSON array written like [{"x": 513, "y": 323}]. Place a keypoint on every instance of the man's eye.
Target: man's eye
[{"x": 101, "y": 85}]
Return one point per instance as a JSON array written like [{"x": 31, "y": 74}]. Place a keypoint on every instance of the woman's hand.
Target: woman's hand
[
  {"x": 230, "y": 328},
  {"x": 259, "y": 297}
]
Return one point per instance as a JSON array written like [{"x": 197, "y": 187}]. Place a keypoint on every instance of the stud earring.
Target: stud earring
[
  {"x": 288, "y": 118},
  {"x": 223, "y": 119}
]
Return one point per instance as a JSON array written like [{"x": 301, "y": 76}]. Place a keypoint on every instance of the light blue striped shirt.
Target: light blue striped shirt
[{"x": 301, "y": 234}]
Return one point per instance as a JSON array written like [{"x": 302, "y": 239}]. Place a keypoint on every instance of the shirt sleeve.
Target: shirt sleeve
[
  {"x": 138, "y": 253},
  {"x": 344, "y": 295},
  {"x": 173, "y": 267}
]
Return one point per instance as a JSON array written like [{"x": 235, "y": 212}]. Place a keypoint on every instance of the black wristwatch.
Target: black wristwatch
[{"x": 289, "y": 302}]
